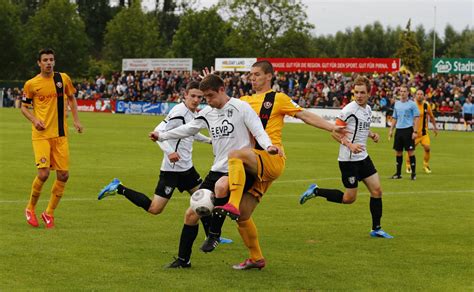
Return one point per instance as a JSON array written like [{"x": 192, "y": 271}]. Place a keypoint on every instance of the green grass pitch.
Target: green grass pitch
[{"x": 113, "y": 245}]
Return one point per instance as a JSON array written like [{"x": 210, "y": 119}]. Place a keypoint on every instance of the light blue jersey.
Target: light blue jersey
[
  {"x": 404, "y": 113},
  {"x": 467, "y": 108}
]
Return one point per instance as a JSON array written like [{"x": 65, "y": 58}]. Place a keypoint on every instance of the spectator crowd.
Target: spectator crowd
[{"x": 446, "y": 93}]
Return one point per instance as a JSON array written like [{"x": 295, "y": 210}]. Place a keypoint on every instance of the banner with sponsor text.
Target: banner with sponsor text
[
  {"x": 162, "y": 64},
  {"x": 335, "y": 64},
  {"x": 104, "y": 105}
]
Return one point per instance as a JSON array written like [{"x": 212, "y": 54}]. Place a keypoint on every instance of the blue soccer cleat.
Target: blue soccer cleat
[
  {"x": 109, "y": 190},
  {"x": 226, "y": 240},
  {"x": 380, "y": 233},
  {"x": 308, "y": 194}
]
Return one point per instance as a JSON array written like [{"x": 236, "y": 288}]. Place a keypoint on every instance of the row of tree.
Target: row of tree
[{"x": 92, "y": 36}]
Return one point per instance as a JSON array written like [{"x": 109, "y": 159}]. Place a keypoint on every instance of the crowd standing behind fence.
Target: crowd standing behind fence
[{"x": 446, "y": 93}]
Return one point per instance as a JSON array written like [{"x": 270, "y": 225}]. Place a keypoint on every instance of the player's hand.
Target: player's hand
[
  {"x": 375, "y": 137},
  {"x": 390, "y": 134},
  {"x": 39, "y": 125},
  {"x": 273, "y": 150},
  {"x": 413, "y": 136},
  {"x": 78, "y": 126},
  {"x": 154, "y": 136},
  {"x": 206, "y": 72},
  {"x": 174, "y": 157},
  {"x": 435, "y": 131},
  {"x": 356, "y": 148}
]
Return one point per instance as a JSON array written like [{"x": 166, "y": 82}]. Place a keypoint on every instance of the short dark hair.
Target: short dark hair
[
  {"x": 211, "y": 82},
  {"x": 362, "y": 80},
  {"x": 45, "y": 51},
  {"x": 192, "y": 85},
  {"x": 265, "y": 65}
]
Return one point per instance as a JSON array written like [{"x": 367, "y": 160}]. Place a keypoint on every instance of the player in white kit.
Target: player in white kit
[
  {"x": 177, "y": 170},
  {"x": 354, "y": 161},
  {"x": 232, "y": 125}
]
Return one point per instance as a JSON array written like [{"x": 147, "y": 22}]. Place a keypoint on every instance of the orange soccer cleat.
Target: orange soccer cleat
[
  {"x": 48, "y": 220},
  {"x": 31, "y": 218}
]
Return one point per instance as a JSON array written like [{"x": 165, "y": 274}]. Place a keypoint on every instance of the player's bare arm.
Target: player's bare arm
[
  {"x": 318, "y": 122},
  {"x": 390, "y": 132},
  {"x": 75, "y": 116},
  {"x": 415, "y": 126},
  {"x": 374, "y": 136},
  {"x": 38, "y": 124}
]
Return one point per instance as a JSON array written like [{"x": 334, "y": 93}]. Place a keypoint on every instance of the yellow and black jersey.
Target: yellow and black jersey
[
  {"x": 282, "y": 105},
  {"x": 425, "y": 111},
  {"x": 41, "y": 93}
]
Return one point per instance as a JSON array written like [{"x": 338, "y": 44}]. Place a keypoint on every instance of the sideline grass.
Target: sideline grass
[{"x": 113, "y": 245}]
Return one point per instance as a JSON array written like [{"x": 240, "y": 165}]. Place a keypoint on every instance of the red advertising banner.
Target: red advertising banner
[
  {"x": 96, "y": 105},
  {"x": 335, "y": 64}
]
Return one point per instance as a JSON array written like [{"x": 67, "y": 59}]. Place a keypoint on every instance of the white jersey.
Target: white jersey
[
  {"x": 230, "y": 128},
  {"x": 178, "y": 116},
  {"x": 357, "y": 121}
]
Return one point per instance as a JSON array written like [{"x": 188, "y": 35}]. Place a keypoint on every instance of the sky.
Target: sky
[{"x": 330, "y": 17}]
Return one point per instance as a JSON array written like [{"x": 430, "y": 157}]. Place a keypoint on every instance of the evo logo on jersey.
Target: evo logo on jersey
[{"x": 222, "y": 131}]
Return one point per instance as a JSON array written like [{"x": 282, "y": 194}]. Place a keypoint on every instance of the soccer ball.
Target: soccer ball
[{"x": 202, "y": 202}]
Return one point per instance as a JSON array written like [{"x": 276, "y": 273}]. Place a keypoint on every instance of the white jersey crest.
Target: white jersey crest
[{"x": 357, "y": 121}]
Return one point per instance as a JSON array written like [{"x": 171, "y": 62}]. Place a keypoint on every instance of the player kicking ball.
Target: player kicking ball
[{"x": 354, "y": 161}]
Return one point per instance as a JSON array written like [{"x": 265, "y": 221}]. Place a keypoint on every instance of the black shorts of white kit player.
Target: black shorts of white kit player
[
  {"x": 183, "y": 180},
  {"x": 213, "y": 176},
  {"x": 403, "y": 140},
  {"x": 354, "y": 171}
]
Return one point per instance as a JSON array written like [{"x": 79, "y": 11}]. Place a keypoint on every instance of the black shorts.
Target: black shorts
[
  {"x": 184, "y": 180},
  {"x": 403, "y": 140},
  {"x": 354, "y": 171},
  {"x": 467, "y": 117},
  {"x": 212, "y": 177}
]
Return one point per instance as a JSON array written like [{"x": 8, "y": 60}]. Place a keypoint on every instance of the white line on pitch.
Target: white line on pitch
[{"x": 271, "y": 195}]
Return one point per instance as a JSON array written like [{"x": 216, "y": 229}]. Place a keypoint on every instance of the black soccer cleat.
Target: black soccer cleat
[
  {"x": 413, "y": 176},
  {"x": 210, "y": 243},
  {"x": 179, "y": 263},
  {"x": 396, "y": 176}
]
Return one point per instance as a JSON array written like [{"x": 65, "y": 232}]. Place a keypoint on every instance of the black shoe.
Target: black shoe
[
  {"x": 396, "y": 176},
  {"x": 413, "y": 176},
  {"x": 178, "y": 264},
  {"x": 210, "y": 243}
]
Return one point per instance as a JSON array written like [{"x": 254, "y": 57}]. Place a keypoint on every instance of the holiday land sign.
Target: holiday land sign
[{"x": 453, "y": 66}]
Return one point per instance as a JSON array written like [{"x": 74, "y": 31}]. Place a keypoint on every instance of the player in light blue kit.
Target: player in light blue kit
[{"x": 405, "y": 119}]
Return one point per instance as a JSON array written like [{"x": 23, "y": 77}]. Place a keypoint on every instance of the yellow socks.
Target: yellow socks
[
  {"x": 236, "y": 181},
  {"x": 426, "y": 158},
  {"x": 249, "y": 234},
  {"x": 56, "y": 195},
  {"x": 35, "y": 193}
]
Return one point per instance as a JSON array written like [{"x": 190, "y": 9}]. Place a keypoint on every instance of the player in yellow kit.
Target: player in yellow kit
[
  {"x": 271, "y": 107},
  {"x": 423, "y": 138},
  {"x": 49, "y": 93}
]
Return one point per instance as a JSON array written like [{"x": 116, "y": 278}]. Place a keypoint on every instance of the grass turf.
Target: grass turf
[{"x": 113, "y": 245}]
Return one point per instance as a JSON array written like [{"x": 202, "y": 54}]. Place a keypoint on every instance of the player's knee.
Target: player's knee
[
  {"x": 63, "y": 175},
  {"x": 376, "y": 193},
  {"x": 348, "y": 199},
  {"x": 235, "y": 154},
  {"x": 190, "y": 217},
  {"x": 155, "y": 210},
  {"x": 43, "y": 175},
  {"x": 221, "y": 189}
]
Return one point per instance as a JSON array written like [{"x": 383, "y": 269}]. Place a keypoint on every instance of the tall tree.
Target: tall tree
[
  {"x": 260, "y": 23},
  {"x": 96, "y": 14},
  {"x": 131, "y": 34},
  {"x": 57, "y": 25},
  {"x": 293, "y": 44},
  {"x": 201, "y": 36},
  {"x": 28, "y": 8},
  {"x": 463, "y": 47},
  {"x": 409, "y": 50},
  {"x": 10, "y": 37}
]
